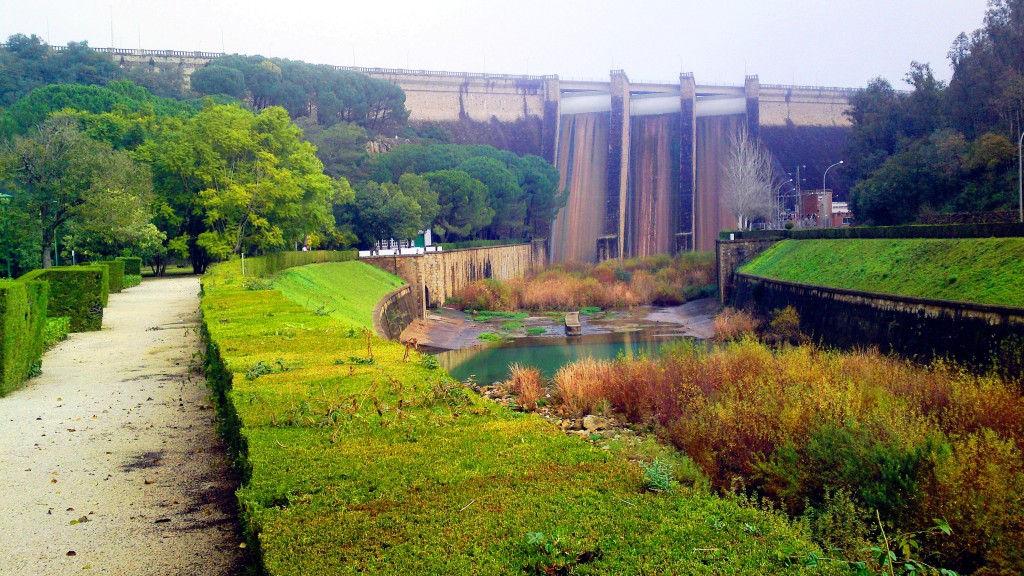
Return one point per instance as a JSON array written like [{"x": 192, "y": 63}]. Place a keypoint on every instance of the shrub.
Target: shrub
[
  {"x": 784, "y": 326},
  {"x": 78, "y": 292},
  {"x": 115, "y": 274},
  {"x": 132, "y": 265},
  {"x": 132, "y": 280},
  {"x": 527, "y": 384},
  {"x": 23, "y": 307},
  {"x": 733, "y": 324},
  {"x": 580, "y": 386},
  {"x": 832, "y": 435},
  {"x": 57, "y": 330},
  {"x": 660, "y": 279}
]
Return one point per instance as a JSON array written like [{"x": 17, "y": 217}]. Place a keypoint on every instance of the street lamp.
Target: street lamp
[{"x": 829, "y": 216}]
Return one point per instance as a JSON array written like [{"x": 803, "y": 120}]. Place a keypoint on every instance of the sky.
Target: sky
[{"x": 800, "y": 42}]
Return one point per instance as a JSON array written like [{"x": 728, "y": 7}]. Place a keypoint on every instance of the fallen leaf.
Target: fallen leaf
[
  {"x": 162, "y": 520},
  {"x": 53, "y": 480},
  {"x": 71, "y": 553},
  {"x": 147, "y": 481}
]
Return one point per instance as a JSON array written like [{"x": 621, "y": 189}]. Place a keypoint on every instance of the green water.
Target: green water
[{"x": 487, "y": 364}]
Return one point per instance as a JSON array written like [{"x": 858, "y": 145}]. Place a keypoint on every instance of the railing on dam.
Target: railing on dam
[
  {"x": 141, "y": 52},
  {"x": 442, "y": 73}
]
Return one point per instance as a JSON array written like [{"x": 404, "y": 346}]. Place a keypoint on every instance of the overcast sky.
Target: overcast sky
[{"x": 804, "y": 42}]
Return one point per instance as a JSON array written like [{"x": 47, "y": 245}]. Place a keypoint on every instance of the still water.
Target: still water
[{"x": 489, "y": 363}]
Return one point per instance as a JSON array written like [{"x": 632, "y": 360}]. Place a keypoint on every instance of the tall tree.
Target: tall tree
[
  {"x": 750, "y": 184},
  {"x": 237, "y": 181},
  {"x": 56, "y": 171},
  {"x": 463, "y": 203}
]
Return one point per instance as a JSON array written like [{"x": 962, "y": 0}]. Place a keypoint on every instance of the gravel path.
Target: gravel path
[{"x": 110, "y": 462}]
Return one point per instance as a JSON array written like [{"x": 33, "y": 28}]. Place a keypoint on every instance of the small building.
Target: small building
[
  {"x": 841, "y": 215},
  {"x": 421, "y": 244}
]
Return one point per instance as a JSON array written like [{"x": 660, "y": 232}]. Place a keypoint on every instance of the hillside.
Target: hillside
[
  {"x": 980, "y": 270},
  {"x": 346, "y": 291}
]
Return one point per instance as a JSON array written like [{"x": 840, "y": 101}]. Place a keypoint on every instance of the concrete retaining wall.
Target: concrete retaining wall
[
  {"x": 437, "y": 276},
  {"x": 917, "y": 328},
  {"x": 730, "y": 255},
  {"x": 395, "y": 312}
]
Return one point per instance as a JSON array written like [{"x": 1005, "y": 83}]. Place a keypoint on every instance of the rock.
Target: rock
[{"x": 593, "y": 423}]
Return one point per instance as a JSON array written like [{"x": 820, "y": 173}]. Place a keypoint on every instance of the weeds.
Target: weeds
[
  {"x": 658, "y": 477},
  {"x": 526, "y": 384}
]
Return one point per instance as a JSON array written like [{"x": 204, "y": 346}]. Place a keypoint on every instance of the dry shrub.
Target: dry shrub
[
  {"x": 798, "y": 423},
  {"x": 733, "y": 324},
  {"x": 657, "y": 279},
  {"x": 526, "y": 384},
  {"x": 643, "y": 287},
  {"x": 580, "y": 386}
]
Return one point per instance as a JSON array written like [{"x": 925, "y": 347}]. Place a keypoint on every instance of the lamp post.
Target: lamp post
[
  {"x": 828, "y": 216},
  {"x": 5, "y": 198}
]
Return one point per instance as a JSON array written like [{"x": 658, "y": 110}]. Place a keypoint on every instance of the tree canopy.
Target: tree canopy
[
  {"x": 939, "y": 148},
  {"x": 231, "y": 181},
  {"x": 329, "y": 94}
]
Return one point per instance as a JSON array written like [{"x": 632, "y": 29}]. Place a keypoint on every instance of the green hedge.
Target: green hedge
[
  {"x": 116, "y": 270},
  {"x": 1012, "y": 230},
  {"x": 132, "y": 265},
  {"x": 79, "y": 292},
  {"x": 274, "y": 263},
  {"x": 22, "y": 327},
  {"x": 132, "y": 280},
  {"x": 481, "y": 244}
]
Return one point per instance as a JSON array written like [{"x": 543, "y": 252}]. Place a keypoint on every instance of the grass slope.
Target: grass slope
[
  {"x": 387, "y": 466},
  {"x": 346, "y": 291},
  {"x": 981, "y": 270}
]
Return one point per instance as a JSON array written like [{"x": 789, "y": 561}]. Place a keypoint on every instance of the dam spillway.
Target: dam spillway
[{"x": 582, "y": 167}]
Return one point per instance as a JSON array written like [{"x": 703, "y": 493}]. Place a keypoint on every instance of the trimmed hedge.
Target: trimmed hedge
[
  {"x": 273, "y": 263},
  {"x": 132, "y": 265},
  {"x": 116, "y": 270},
  {"x": 1012, "y": 230},
  {"x": 22, "y": 327},
  {"x": 132, "y": 280},
  {"x": 79, "y": 292}
]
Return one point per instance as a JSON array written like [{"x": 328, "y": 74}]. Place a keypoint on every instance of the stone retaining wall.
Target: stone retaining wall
[{"x": 917, "y": 328}]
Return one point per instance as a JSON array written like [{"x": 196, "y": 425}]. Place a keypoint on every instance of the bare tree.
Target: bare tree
[{"x": 751, "y": 186}]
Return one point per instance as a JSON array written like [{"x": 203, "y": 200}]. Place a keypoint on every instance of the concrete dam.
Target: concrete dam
[{"x": 643, "y": 162}]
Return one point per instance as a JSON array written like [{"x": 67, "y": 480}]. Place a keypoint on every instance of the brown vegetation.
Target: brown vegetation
[
  {"x": 661, "y": 280},
  {"x": 834, "y": 437}
]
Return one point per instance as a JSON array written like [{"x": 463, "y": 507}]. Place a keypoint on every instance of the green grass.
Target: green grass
[
  {"x": 346, "y": 291},
  {"x": 980, "y": 270},
  {"x": 390, "y": 467}
]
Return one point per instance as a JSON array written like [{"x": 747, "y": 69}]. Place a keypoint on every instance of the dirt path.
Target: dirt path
[{"x": 110, "y": 462}]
